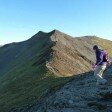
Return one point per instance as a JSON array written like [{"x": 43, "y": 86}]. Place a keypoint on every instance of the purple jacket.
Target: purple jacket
[{"x": 100, "y": 59}]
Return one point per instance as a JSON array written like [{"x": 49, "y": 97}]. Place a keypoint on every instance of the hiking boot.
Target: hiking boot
[{"x": 103, "y": 82}]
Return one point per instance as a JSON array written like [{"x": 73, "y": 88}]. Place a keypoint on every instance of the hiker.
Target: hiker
[{"x": 100, "y": 65}]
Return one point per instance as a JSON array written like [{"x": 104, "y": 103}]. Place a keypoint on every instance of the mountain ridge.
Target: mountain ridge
[{"x": 43, "y": 63}]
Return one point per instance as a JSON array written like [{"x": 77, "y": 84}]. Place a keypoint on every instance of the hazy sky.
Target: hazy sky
[{"x": 20, "y": 19}]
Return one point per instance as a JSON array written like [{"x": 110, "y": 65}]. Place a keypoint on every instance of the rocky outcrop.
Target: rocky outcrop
[{"x": 81, "y": 94}]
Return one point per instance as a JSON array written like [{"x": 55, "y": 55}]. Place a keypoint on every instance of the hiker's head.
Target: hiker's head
[{"x": 95, "y": 48}]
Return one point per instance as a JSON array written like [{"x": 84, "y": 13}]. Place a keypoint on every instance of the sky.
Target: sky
[{"x": 21, "y": 19}]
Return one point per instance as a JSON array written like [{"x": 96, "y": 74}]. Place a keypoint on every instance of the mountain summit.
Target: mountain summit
[
  {"x": 31, "y": 69},
  {"x": 70, "y": 56}
]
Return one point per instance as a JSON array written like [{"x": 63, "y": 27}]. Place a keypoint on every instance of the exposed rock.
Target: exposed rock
[{"x": 81, "y": 98}]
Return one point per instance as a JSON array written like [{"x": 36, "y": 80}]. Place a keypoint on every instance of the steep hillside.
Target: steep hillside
[
  {"x": 24, "y": 77},
  {"x": 30, "y": 69},
  {"x": 81, "y": 94},
  {"x": 74, "y": 55}
]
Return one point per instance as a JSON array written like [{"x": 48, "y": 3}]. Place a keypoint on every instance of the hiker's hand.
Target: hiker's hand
[
  {"x": 94, "y": 66},
  {"x": 109, "y": 63}
]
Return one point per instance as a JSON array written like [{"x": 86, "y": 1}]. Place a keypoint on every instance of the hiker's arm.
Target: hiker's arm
[{"x": 109, "y": 62}]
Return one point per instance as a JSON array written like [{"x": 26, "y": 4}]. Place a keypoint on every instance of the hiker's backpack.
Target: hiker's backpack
[{"x": 105, "y": 56}]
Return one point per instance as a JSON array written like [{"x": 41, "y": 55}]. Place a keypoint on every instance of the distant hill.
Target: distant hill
[{"x": 31, "y": 69}]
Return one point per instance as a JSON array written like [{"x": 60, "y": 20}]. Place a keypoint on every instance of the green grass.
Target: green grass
[
  {"x": 26, "y": 80},
  {"x": 27, "y": 88}
]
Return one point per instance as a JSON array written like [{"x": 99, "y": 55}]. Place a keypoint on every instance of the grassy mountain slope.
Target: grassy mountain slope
[
  {"x": 29, "y": 69},
  {"x": 73, "y": 56},
  {"x": 24, "y": 77}
]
